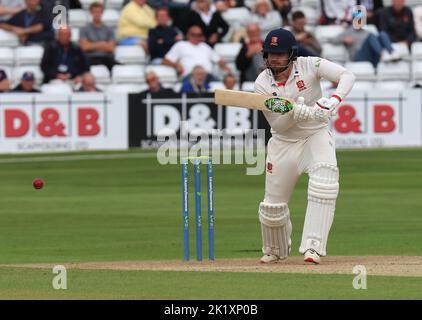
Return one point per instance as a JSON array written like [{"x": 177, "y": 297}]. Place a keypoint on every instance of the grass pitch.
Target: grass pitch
[{"x": 129, "y": 209}]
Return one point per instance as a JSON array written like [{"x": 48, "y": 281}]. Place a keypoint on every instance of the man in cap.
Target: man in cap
[
  {"x": 27, "y": 83},
  {"x": 301, "y": 142},
  {"x": 4, "y": 81}
]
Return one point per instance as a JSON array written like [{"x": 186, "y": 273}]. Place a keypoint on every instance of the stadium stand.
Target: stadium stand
[
  {"x": 363, "y": 70},
  {"x": 30, "y": 55},
  {"x": 130, "y": 55},
  {"x": 7, "y": 57},
  {"x": 134, "y": 60},
  {"x": 132, "y": 74},
  {"x": 101, "y": 74}
]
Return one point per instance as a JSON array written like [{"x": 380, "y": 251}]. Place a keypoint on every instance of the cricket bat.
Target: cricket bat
[{"x": 249, "y": 100}]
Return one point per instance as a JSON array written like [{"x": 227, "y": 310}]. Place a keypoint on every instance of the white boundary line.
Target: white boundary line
[{"x": 78, "y": 157}]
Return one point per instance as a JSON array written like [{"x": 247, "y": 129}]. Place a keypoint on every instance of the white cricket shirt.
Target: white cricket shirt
[{"x": 304, "y": 81}]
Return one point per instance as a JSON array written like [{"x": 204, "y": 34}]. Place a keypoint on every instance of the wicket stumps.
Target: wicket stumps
[{"x": 198, "y": 207}]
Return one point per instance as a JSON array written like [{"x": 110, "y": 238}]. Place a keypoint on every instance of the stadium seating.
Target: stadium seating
[
  {"x": 78, "y": 18},
  {"x": 176, "y": 87},
  {"x": 228, "y": 51},
  {"x": 412, "y": 3},
  {"x": 111, "y": 17},
  {"x": 216, "y": 85},
  {"x": 129, "y": 77},
  {"x": 402, "y": 49},
  {"x": 220, "y": 85},
  {"x": 417, "y": 70},
  {"x": 8, "y": 39},
  {"x": 130, "y": 55},
  {"x": 75, "y": 35},
  {"x": 128, "y": 74},
  {"x": 310, "y": 3},
  {"x": 248, "y": 86},
  {"x": 167, "y": 75},
  {"x": 237, "y": 17},
  {"x": 114, "y": 4},
  {"x": 363, "y": 70},
  {"x": 325, "y": 33},
  {"x": 333, "y": 52},
  {"x": 417, "y": 51},
  {"x": 30, "y": 55},
  {"x": 363, "y": 86},
  {"x": 250, "y": 3},
  {"x": 56, "y": 88},
  {"x": 394, "y": 71},
  {"x": 392, "y": 86},
  {"x": 7, "y": 57},
  {"x": 101, "y": 74},
  {"x": 86, "y": 3}
]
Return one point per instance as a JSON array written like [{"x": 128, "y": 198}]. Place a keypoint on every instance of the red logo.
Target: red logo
[
  {"x": 274, "y": 41},
  {"x": 269, "y": 167},
  {"x": 301, "y": 85}
]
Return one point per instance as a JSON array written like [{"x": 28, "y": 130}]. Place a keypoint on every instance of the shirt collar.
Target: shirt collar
[{"x": 295, "y": 73}]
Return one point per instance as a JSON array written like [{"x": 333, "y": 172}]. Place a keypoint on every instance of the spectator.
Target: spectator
[
  {"x": 373, "y": 9},
  {"x": 27, "y": 83},
  {"x": 365, "y": 46},
  {"x": 162, "y": 37},
  {"x": 267, "y": 18},
  {"x": 229, "y": 81},
  {"x": 397, "y": 22},
  {"x": 283, "y": 7},
  {"x": 63, "y": 60},
  {"x": 303, "y": 37},
  {"x": 8, "y": 8},
  {"x": 249, "y": 59},
  {"x": 196, "y": 82},
  {"x": 4, "y": 82},
  {"x": 88, "y": 83},
  {"x": 336, "y": 11},
  {"x": 136, "y": 18},
  {"x": 178, "y": 10},
  {"x": 184, "y": 55},
  {"x": 417, "y": 14},
  {"x": 154, "y": 85},
  {"x": 97, "y": 40},
  {"x": 32, "y": 25},
  {"x": 205, "y": 15}
]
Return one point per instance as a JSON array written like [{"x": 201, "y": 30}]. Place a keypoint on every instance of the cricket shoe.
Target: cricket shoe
[
  {"x": 269, "y": 258},
  {"x": 312, "y": 256}
]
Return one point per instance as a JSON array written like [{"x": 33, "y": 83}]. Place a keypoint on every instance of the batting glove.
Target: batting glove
[
  {"x": 329, "y": 104},
  {"x": 301, "y": 112}
]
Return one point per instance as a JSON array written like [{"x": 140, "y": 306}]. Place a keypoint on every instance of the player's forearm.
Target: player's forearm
[
  {"x": 338, "y": 74},
  {"x": 345, "y": 84}
]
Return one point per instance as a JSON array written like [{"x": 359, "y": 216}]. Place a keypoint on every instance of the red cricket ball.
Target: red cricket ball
[{"x": 38, "y": 183}]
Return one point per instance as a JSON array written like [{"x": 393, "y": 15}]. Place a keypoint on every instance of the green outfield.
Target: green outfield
[{"x": 127, "y": 207}]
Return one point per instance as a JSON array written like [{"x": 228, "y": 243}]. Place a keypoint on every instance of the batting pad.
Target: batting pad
[
  {"x": 275, "y": 228},
  {"x": 322, "y": 194}
]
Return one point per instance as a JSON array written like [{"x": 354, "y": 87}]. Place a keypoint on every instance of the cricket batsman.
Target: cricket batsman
[{"x": 301, "y": 142}]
